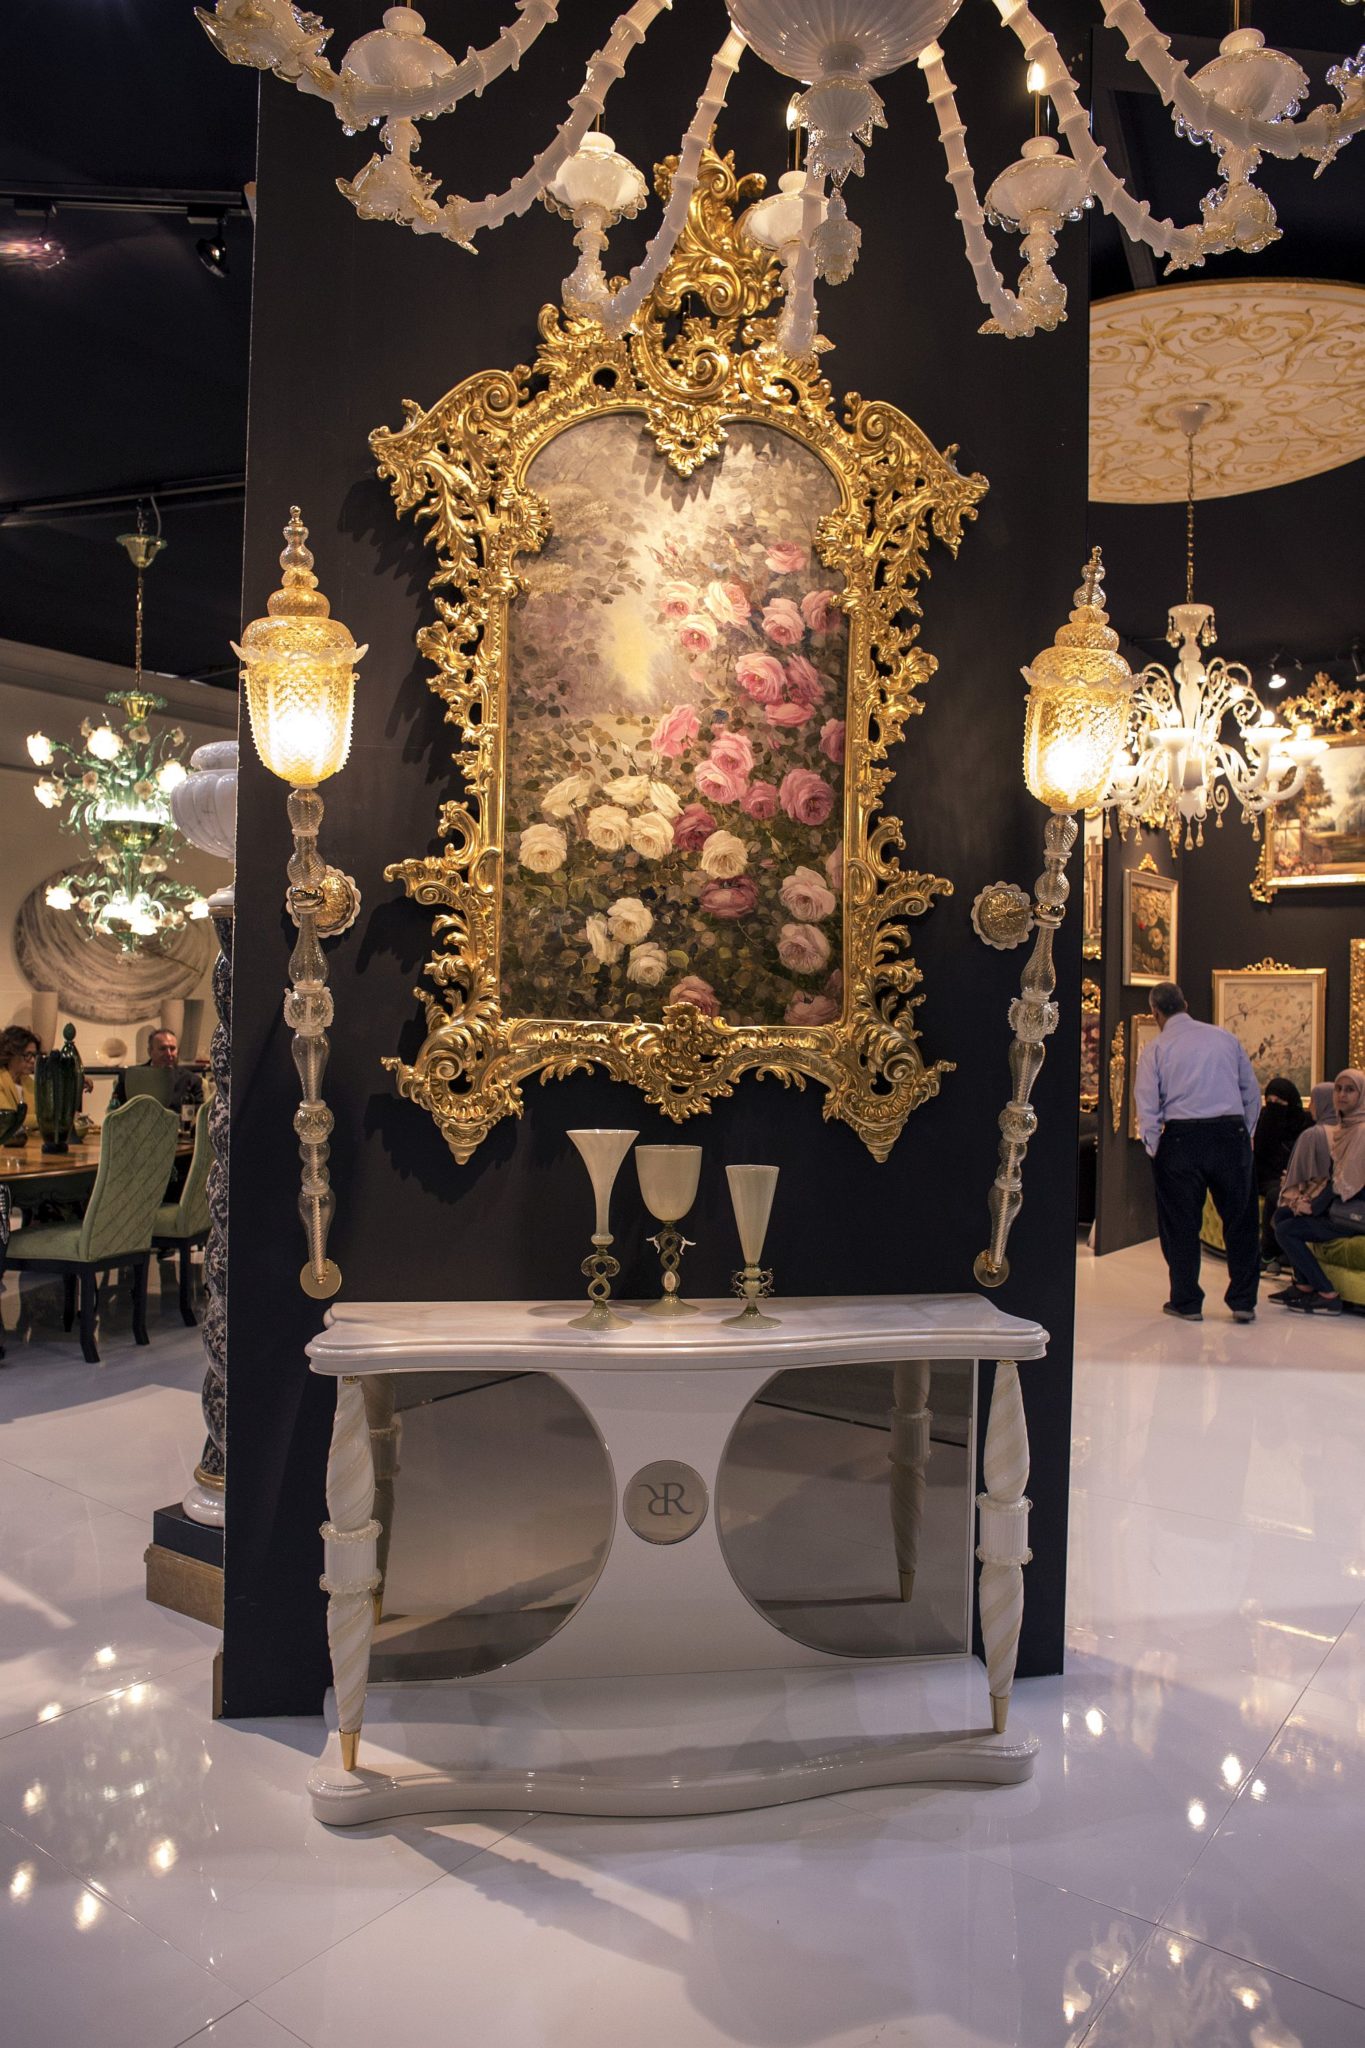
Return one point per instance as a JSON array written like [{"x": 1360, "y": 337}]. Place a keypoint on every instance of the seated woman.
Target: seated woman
[
  {"x": 1318, "y": 1210},
  {"x": 18, "y": 1051},
  {"x": 1282, "y": 1120}
]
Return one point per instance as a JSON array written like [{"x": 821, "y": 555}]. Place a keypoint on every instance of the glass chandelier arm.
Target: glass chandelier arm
[
  {"x": 797, "y": 327},
  {"x": 460, "y": 220},
  {"x": 992, "y": 290},
  {"x": 358, "y": 104},
  {"x": 626, "y": 302},
  {"x": 1134, "y": 216},
  {"x": 1320, "y": 133}
]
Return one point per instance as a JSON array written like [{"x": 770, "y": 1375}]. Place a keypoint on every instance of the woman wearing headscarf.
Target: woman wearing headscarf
[
  {"x": 1282, "y": 1119},
  {"x": 1317, "y": 1212}
]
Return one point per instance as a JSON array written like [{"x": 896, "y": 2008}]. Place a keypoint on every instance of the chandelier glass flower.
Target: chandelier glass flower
[
  {"x": 1181, "y": 762},
  {"x": 1244, "y": 105},
  {"x": 115, "y": 790}
]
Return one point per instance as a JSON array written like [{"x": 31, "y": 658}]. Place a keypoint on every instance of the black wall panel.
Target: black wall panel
[{"x": 352, "y": 318}]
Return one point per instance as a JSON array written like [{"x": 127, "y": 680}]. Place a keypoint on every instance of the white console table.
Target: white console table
[{"x": 667, "y": 1691}]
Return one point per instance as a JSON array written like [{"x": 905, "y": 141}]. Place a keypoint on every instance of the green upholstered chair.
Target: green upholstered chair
[
  {"x": 137, "y": 1152},
  {"x": 182, "y": 1224}
]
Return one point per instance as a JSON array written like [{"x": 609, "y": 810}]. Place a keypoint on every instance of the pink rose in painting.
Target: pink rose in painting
[
  {"x": 834, "y": 868},
  {"x": 805, "y": 684},
  {"x": 719, "y": 781},
  {"x": 788, "y": 716},
  {"x": 728, "y": 602},
  {"x": 733, "y": 750},
  {"x": 803, "y": 948},
  {"x": 676, "y": 730},
  {"x": 805, "y": 796},
  {"x": 760, "y": 800},
  {"x": 692, "y": 989},
  {"x": 835, "y": 985},
  {"x": 729, "y": 899},
  {"x": 804, "y": 894},
  {"x": 782, "y": 622},
  {"x": 832, "y": 740},
  {"x": 676, "y": 600},
  {"x": 810, "y": 1010},
  {"x": 818, "y": 610},
  {"x": 784, "y": 557},
  {"x": 697, "y": 633},
  {"x": 693, "y": 829},
  {"x": 763, "y": 676}
]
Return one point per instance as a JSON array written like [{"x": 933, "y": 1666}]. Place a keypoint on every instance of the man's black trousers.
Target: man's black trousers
[{"x": 1207, "y": 1155}]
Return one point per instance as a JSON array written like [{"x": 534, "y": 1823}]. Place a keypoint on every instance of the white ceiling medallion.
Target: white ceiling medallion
[{"x": 1281, "y": 361}]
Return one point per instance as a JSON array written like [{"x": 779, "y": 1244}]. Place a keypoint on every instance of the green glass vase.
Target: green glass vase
[{"x": 58, "y": 1085}]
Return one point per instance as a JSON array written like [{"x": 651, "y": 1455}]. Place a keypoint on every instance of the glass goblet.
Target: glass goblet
[
  {"x": 668, "y": 1183},
  {"x": 751, "y": 1196},
  {"x": 602, "y": 1153}
]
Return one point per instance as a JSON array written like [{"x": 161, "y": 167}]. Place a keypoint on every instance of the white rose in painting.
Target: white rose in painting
[
  {"x": 804, "y": 894},
  {"x": 724, "y": 856},
  {"x": 663, "y": 800},
  {"x": 566, "y": 795},
  {"x": 629, "y": 920},
  {"x": 651, "y": 835},
  {"x": 647, "y": 965},
  {"x": 605, "y": 949},
  {"x": 608, "y": 825},
  {"x": 543, "y": 848},
  {"x": 629, "y": 790}
]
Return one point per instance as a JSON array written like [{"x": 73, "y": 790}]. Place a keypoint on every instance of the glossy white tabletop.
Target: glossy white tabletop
[{"x": 809, "y": 1330}]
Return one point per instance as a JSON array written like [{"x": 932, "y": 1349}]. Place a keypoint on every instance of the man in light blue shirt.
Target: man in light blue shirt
[{"x": 1197, "y": 1101}]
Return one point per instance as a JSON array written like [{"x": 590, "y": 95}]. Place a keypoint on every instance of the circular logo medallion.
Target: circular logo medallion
[{"x": 665, "y": 1502}]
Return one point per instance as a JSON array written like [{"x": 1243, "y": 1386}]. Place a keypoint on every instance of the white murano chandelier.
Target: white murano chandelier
[
  {"x": 1244, "y": 105},
  {"x": 1180, "y": 762}
]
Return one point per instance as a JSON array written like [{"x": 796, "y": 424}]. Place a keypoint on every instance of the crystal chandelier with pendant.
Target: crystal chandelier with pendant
[
  {"x": 115, "y": 790},
  {"x": 1244, "y": 105},
  {"x": 1179, "y": 762}
]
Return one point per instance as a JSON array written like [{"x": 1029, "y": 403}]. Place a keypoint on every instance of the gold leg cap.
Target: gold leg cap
[
  {"x": 350, "y": 1749},
  {"x": 907, "y": 1585},
  {"x": 1000, "y": 1708}
]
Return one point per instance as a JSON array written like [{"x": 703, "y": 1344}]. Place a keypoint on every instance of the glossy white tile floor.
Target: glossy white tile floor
[{"x": 1185, "y": 1871}]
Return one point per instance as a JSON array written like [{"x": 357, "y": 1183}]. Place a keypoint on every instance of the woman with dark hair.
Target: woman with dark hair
[
  {"x": 19, "y": 1048},
  {"x": 1282, "y": 1121}
]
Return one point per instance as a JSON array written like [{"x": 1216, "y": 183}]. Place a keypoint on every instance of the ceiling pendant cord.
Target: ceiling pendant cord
[{"x": 1189, "y": 524}]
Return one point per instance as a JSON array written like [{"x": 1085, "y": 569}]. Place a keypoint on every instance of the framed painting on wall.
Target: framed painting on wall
[
  {"x": 1279, "y": 1014},
  {"x": 1143, "y": 1029},
  {"x": 1318, "y": 840},
  {"x": 1090, "y": 1044},
  {"x": 1356, "y": 1051},
  {"x": 1149, "y": 927},
  {"x": 1092, "y": 893}
]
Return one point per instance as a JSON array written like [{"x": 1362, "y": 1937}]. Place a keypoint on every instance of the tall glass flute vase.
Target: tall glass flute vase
[
  {"x": 668, "y": 1183},
  {"x": 602, "y": 1153},
  {"x": 751, "y": 1194}
]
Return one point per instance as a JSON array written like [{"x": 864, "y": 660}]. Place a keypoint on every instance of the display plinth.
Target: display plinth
[{"x": 667, "y": 1691}]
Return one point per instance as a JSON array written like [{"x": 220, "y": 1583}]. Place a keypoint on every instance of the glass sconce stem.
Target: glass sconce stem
[{"x": 308, "y": 1012}]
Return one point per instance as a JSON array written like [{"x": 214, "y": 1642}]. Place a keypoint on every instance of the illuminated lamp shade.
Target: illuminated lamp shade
[
  {"x": 1078, "y": 704},
  {"x": 298, "y": 666}
]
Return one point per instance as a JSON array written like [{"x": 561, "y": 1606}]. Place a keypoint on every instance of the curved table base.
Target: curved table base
[{"x": 750, "y": 1739}]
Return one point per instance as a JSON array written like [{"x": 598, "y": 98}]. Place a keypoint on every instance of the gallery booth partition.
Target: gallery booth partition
[{"x": 349, "y": 321}]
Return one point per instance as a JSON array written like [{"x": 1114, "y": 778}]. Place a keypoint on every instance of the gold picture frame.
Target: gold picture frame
[
  {"x": 701, "y": 369},
  {"x": 1091, "y": 1047},
  {"x": 1142, "y": 1029},
  {"x": 1150, "y": 926},
  {"x": 1279, "y": 1014},
  {"x": 1092, "y": 886},
  {"x": 1356, "y": 1050},
  {"x": 1293, "y": 854}
]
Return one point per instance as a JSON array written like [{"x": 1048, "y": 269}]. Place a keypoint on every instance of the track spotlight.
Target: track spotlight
[{"x": 212, "y": 252}]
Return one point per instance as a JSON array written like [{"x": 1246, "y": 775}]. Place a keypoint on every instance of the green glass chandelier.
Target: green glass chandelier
[{"x": 115, "y": 790}]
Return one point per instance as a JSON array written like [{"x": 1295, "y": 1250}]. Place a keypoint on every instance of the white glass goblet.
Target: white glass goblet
[
  {"x": 668, "y": 1182},
  {"x": 751, "y": 1195},
  {"x": 602, "y": 1153}
]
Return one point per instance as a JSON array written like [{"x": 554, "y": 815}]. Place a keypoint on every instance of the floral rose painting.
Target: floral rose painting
[{"x": 675, "y": 737}]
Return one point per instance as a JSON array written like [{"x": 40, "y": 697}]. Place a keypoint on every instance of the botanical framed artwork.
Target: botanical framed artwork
[
  {"x": 1279, "y": 1014},
  {"x": 1318, "y": 840},
  {"x": 676, "y": 634},
  {"x": 1090, "y": 1044},
  {"x": 1143, "y": 1030},
  {"x": 1149, "y": 927}
]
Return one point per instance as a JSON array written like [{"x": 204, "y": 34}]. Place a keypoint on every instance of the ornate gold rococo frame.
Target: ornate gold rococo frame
[
  {"x": 688, "y": 368},
  {"x": 1339, "y": 714}
]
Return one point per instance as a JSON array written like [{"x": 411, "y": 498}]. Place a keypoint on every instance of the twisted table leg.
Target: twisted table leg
[
  {"x": 910, "y": 1422},
  {"x": 1003, "y": 1550},
  {"x": 350, "y": 1571}
]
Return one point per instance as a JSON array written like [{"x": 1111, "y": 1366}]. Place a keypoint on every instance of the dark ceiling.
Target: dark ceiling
[{"x": 128, "y": 363}]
